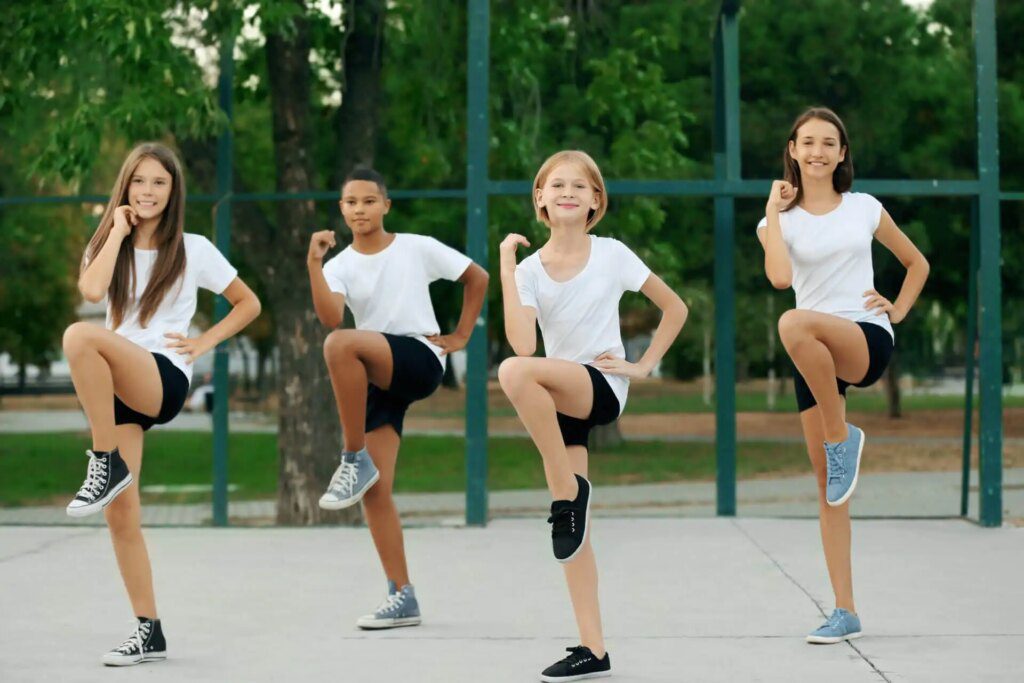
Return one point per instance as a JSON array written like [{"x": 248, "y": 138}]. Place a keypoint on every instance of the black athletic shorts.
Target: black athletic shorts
[
  {"x": 416, "y": 374},
  {"x": 576, "y": 432},
  {"x": 175, "y": 386},
  {"x": 880, "y": 347}
]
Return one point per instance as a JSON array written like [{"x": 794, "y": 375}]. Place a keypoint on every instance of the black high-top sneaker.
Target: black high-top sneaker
[
  {"x": 579, "y": 665},
  {"x": 147, "y": 644},
  {"x": 569, "y": 520},
  {"x": 106, "y": 477}
]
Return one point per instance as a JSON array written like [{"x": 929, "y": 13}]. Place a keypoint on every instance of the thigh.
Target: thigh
[
  {"x": 844, "y": 339},
  {"x": 133, "y": 369},
  {"x": 371, "y": 348},
  {"x": 568, "y": 383}
]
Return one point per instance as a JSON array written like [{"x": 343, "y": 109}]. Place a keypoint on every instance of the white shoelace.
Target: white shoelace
[
  {"x": 344, "y": 479},
  {"x": 135, "y": 640},
  {"x": 391, "y": 604},
  {"x": 95, "y": 478}
]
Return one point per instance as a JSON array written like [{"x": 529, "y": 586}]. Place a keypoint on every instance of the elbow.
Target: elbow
[
  {"x": 257, "y": 308},
  {"x": 780, "y": 282},
  {"x": 523, "y": 349},
  {"x": 925, "y": 266},
  {"x": 89, "y": 294}
]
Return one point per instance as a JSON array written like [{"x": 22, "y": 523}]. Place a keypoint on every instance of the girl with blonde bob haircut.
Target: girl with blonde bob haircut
[{"x": 571, "y": 287}]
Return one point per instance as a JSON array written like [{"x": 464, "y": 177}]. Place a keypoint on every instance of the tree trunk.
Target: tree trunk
[
  {"x": 892, "y": 386},
  {"x": 605, "y": 436}
]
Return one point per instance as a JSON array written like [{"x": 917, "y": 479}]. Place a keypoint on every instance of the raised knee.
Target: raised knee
[
  {"x": 510, "y": 375},
  {"x": 791, "y": 326},
  {"x": 76, "y": 338},
  {"x": 337, "y": 343}
]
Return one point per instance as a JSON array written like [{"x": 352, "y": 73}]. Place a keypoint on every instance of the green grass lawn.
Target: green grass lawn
[{"x": 49, "y": 468}]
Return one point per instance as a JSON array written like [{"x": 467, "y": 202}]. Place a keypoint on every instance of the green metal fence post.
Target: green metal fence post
[
  {"x": 476, "y": 245},
  {"x": 222, "y": 238},
  {"x": 990, "y": 462},
  {"x": 725, "y": 78},
  {"x": 972, "y": 340}
]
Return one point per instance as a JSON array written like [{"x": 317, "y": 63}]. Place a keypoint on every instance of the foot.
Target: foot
[
  {"x": 842, "y": 625},
  {"x": 106, "y": 477},
  {"x": 842, "y": 465},
  {"x": 579, "y": 665},
  {"x": 569, "y": 520},
  {"x": 147, "y": 644},
  {"x": 353, "y": 478},
  {"x": 398, "y": 609}
]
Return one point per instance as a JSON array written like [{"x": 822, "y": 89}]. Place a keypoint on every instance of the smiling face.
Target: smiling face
[
  {"x": 363, "y": 206},
  {"x": 567, "y": 195},
  {"x": 149, "y": 189},
  {"x": 817, "y": 148}
]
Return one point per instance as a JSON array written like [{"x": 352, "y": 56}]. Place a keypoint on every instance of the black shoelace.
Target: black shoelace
[
  {"x": 578, "y": 655},
  {"x": 563, "y": 522}
]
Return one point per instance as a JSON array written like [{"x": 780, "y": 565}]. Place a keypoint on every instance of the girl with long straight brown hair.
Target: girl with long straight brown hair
[
  {"x": 135, "y": 372},
  {"x": 817, "y": 238}
]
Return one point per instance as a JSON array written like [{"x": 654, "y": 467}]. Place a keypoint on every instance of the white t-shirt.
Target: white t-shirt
[
  {"x": 389, "y": 291},
  {"x": 204, "y": 267},
  {"x": 579, "y": 318},
  {"x": 831, "y": 257}
]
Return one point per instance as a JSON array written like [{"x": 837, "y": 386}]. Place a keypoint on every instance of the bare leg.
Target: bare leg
[
  {"x": 104, "y": 363},
  {"x": 356, "y": 358},
  {"x": 538, "y": 388},
  {"x": 581, "y": 577},
  {"x": 824, "y": 347},
  {"x": 379, "y": 505},
  {"x": 834, "y": 521},
  {"x": 124, "y": 519}
]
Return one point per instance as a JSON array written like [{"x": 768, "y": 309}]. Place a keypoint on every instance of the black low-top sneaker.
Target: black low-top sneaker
[
  {"x": 579, "y": 665},
  {"x": 106, "y": 477},
  {"x": 569, "y": 520},
  {"x": 147, "y": 644}
]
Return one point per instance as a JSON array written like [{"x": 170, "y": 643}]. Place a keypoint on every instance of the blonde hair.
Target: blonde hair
[{"x": 590, "y": 169}]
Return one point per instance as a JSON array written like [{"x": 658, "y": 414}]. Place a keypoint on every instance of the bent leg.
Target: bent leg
[
  {"x": 538, "y": 389},
  {"x": 824, "y": 347},
  {"x": 355, "y": 359}
]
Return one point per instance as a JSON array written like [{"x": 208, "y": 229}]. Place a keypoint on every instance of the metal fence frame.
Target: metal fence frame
[{"x": 728, "y": 184}]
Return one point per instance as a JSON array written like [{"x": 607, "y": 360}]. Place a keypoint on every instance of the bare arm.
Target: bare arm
[
  {"x": 474, "y": 281},
  {"x": 896, "y": 241},
  {"x": 520, "y": 320},
  {"x": 673, "y": 317},
  {"x": 777, "y": 265},
  {"x": 94, "y": 281},
  {"x": 245, "y": 307},
  {"x": 329, "y": 306}
]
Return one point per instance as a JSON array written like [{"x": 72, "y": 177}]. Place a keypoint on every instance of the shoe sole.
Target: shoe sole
[
  {"x": 849, "y": 492},
  {"x": 391, "y": 623},
  {"x": 349, "y": 502},
  {"x": 131, "y": 661},
  {"x": 824, "y": 640},
  {"x": 92, "y": 508},
  {"x": 575, "y": 677},
  {"x": 586, "y": 532}
]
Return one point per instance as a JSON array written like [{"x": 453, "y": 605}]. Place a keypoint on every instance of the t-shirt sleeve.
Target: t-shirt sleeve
[
  {"x": 441, "y": 262},
  {"x": 633, "y": 273},
  {"x": 526, "y": 285},
  {"x": 215, "y": 273},
  {"x": 872, "y": 212},
  {"x": 334, "y": 273},
  {"x": 763, "y": 223}
]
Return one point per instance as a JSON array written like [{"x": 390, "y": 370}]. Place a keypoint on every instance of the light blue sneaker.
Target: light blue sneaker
[
  {"x": 842, "y": 465},
  {"x": 400, "y": 608},
  {"x": 839, "y": 627},
  {"x": 353, "y": 478}
]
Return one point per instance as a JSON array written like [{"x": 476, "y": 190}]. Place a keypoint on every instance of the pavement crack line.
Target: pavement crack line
[
  {"x": 46, "y": 545},
  {"x": 810, "y": 597}
]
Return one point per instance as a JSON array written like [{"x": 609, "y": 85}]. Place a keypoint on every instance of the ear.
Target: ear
[
  {"x": 341, "y": 205},
  {"x": 537, "y": 194},
  {"x": 791, "y": 145},
  {"x": 842, "y": 154},
  {"x": 387, "y": 207}
]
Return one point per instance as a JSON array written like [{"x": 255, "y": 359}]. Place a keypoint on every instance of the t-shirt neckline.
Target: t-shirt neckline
[
  {"x": 842, "y": 200},
  {"x": 376, "y": 253},
  {"x": 590, "y": 258}
]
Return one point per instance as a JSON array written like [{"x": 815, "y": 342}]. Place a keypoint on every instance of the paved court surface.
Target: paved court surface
[{"x": 684, "y": 600}]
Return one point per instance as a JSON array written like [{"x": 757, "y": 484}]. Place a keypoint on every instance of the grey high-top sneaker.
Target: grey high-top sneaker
[
  {"x": 353, "y": 478},
  {"x": 398, "y": 609}
]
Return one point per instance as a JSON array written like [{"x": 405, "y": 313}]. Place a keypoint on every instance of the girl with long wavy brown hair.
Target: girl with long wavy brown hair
[
  {"x": 135, "y": 372},
  {"x": 817, "y": 237}
]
